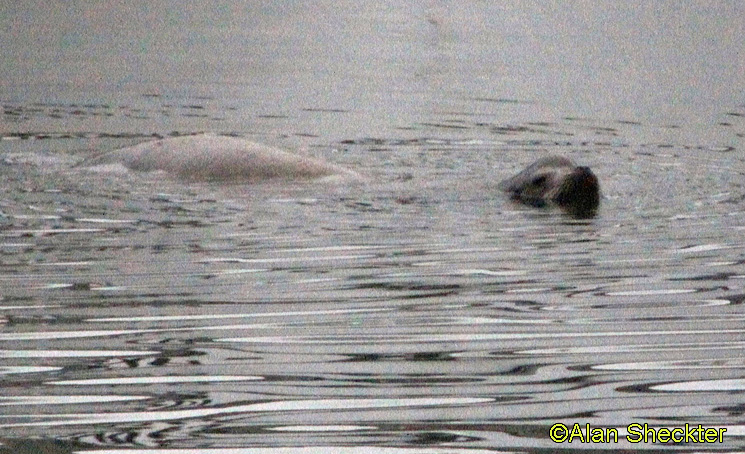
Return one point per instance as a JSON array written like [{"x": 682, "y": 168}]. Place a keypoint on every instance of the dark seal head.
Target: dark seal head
[{"x": 556, "y": 180}]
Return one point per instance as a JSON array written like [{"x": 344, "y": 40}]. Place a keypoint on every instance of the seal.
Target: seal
[
  {"x": 208, "y": 157},
  {"x": 555, "y": 180}
]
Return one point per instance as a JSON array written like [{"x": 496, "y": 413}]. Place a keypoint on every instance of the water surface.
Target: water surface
[{"x": 419, "y": 312}]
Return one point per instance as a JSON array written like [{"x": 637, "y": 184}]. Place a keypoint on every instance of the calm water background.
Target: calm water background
[{"x": 420, "y": 312}]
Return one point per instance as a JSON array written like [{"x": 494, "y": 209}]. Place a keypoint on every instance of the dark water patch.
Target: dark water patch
[
  {"x": 727, "y": 386},
  {"x": 322, "y": 110},
  {"x": 735, "y": 299},
  {"x": 421, "y": 290},
  {"x": 501, "y": 100},
  {"x": 520, "y": 129},
  {"x": 273, "y": 116},
  {"x": 680, "y": 147},
  {"x": 735, "y": 410},
  {"x": 407, "y": 380},
  {"x": 707, "y": 277},
  {"x": 381, "y": 144},
  {"x": 40, "y": 319},
  {"x": 38, "y": 445},
  {"x": 108, "y": 116},
  {"x": 423, "y": 141},
  {"x": 444, "y": 125},
  {"x": 415, "y": 357},
  {"x": 629, "y": 122},
  {"x": 81, "y": 135}
]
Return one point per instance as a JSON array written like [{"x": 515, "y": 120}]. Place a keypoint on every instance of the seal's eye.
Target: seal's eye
[{"x": 539, "y": 181}]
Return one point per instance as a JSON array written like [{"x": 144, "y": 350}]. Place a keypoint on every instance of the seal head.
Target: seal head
[{"x": 555, "y": 180}]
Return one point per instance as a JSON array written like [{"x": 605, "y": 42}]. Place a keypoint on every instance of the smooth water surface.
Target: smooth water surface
[{"x": 418, "y": 312}]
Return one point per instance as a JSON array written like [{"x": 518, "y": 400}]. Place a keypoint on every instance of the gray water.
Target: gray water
[{"x": 419, "y": 312}]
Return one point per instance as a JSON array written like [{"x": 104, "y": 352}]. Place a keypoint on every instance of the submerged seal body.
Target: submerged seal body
[
  {"x": 208, "y": 157},
  {"x": 556, "y": 180}
]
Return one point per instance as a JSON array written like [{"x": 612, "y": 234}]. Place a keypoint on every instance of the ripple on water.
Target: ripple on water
[
  {"x": 421, "y": 313},
  {"x": 304, "y": 450},
  {"x": 49, "y": 420},
  {"x": 702, "y": 386}
]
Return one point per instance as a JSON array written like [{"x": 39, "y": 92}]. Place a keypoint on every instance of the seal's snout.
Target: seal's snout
[
  {"x": 584, "y": 171},
  {"x": 579, "y": 193},
  {"x": 584, "y": 179}
]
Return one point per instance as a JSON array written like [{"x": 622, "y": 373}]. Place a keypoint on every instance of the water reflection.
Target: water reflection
[
  {"x": 214, "y": 322},
  {"x": 267, "y": 407},
  {"x": 418, "y": 313}
]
